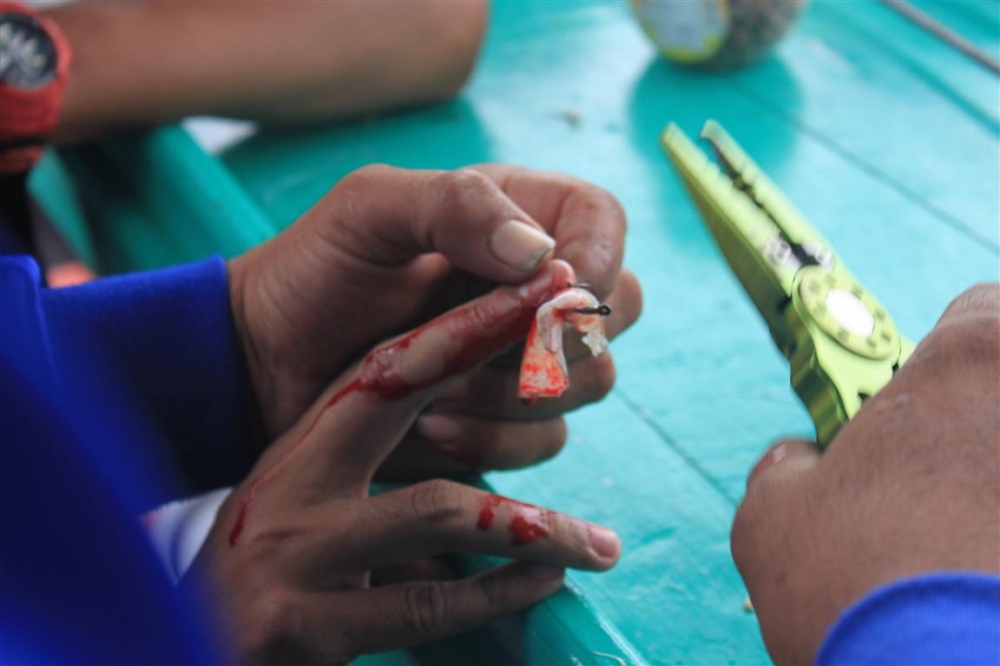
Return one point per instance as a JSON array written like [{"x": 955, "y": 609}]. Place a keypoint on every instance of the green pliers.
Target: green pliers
[{"x": 840, "y": 342}]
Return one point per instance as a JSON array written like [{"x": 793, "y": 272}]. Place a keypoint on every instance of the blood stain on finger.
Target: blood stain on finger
[
  {"x": 487, "y": 504},
  {"x": 241, "y": 515},
  {"x": 510, "y": 317},
  {"x": 525, "y": 531},
  {"x": 527, "y": 522}
]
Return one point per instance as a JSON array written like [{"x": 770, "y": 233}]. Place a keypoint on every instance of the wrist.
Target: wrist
[
  {"x": 244, "y": 339},
  {"x": 259, "y": 371}
]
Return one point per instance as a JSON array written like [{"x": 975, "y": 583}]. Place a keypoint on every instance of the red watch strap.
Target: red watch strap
[{"x": 32, "y": 114}]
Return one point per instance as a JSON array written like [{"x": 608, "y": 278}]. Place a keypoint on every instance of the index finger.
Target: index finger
[
  {"x": 587, "y": 222},
  {"x": 358, "y": 421}
]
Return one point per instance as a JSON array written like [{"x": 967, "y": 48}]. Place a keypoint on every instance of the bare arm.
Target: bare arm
[{"x": 138, "y": 63}]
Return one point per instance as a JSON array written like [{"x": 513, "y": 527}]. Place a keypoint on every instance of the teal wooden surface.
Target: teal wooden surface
[{"x": 885, "y": 138}]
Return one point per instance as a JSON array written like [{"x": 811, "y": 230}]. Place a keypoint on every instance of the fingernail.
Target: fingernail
[
  {"x": 773, "y": 455},
  {"x": 604, "y": 542},
  {"x": 543, "y": 571},
  {"x": 520, "y": 245},
  {"x": 438, "y": 427}
]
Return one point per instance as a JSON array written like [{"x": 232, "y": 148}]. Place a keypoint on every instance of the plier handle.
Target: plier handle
[{"x": 840, "y": 342}]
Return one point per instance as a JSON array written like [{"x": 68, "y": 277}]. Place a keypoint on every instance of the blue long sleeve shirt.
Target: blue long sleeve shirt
[
  {"x": 164, "y": 338},
  {"x": 115, "y": 396},
  {"x": 114, "y": 392}
]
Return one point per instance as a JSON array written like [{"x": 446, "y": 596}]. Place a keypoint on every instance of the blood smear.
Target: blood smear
[
  {"x": 507, "y": 328},
  {"x": 527, "y": 523}
]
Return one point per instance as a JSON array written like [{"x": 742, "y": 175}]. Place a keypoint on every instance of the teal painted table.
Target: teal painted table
[{"x": 885, "y": 138}]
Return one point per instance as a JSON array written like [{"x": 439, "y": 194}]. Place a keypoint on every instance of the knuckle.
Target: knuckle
[
  {"x": 614, "y": 210},
  {"x": 960, "y": 342},
  {"x": 598, "y": 203},
  {"x": 367, "y": 175},
  {"x": 425, "y": 606},
  {"x": 344, "y": 207},
  {"x": 983, "y": 297},
  {"x": 383, "y": 361},
  {"x": 896, "y": 412},
  {"x": 271, "y": 625},
  {"x": 980, "y": 336},
  {"x": 463, "y": 188},
  {"x": 268, "y": 543},
  {"x": 436, "y": 501},
  {"x": 483, "y": 314},
  {"x": 276, "y": 629},
  {"x": 491, "y": 589}
]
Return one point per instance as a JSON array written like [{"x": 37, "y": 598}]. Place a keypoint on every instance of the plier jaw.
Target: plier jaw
[{"x": 841, "y": 343}]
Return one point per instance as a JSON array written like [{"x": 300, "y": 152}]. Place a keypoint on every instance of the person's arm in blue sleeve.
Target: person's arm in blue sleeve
[
  {"x": 77, "y": 466},
  {"x": 169, "y": 334},
  {"x": 889, "y": 536},
  {"x": 947, "y": 618}
]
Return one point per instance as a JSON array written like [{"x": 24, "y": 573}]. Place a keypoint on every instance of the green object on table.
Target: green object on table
[{"x": 842, "y": 345}]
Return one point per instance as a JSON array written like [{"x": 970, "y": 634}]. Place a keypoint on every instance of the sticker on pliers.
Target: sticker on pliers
[{"x": 685, "y": 30}]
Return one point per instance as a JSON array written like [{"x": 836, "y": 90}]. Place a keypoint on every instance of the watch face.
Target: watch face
[{"x": 27, "y": 54}]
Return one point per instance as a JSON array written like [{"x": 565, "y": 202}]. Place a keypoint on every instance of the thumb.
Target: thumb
[
  {"x": 388, "y": 216},
  {"x": 774, "y": 485},
  {"x": 359, "y": 420}
]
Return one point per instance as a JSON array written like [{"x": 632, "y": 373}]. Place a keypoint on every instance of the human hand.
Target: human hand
[
  {"x": 292, "y": 549},
  {"x": 388, "y": 248},
  {"x": 479, "y": 423},
  {"x": 911, "y": 485}
]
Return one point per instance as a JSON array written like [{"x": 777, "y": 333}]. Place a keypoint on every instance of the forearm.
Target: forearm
[{"x": 139, "y": 63}]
